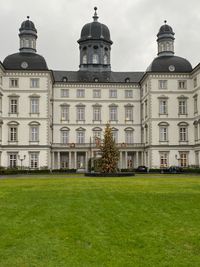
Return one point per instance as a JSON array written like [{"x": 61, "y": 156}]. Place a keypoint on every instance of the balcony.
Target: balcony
[{"x": 93, "y": 145}]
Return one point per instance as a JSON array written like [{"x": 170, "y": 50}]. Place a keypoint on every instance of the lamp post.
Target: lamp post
[{"x": 21, "y": 159}]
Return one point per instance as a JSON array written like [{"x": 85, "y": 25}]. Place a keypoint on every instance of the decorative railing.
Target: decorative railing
[{"x": 93, "y": 145}]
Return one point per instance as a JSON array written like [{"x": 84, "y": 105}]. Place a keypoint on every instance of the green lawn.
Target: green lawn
[{"x": 151, "y": 220}]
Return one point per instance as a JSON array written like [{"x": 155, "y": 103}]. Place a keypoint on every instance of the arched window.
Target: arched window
[
  {"x": 105, "y": 59},
  {"x": 84, "y": 59},
  {"x": 95, "y": 59}
]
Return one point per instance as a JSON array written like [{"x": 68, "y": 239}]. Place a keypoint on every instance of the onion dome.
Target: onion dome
[
  {"x": 166, "y": 61},
  {"x": 95, "y": 31},
  {"x": 27, "y": 27},
  {"x": 27, "y": 58}
]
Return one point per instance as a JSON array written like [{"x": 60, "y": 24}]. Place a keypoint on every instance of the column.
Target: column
[
  {"x": 58, "y": 160},
  {"x": 86, "y": 160},
  {"x": 136, "y": 160},
  {"x": 126, "y": 156},
  {"x": 70, "y": 160},
  {"x": 75, "y": 160},
  {"x": 120, "y": 160},
  {"x": 52, "y": 161}
]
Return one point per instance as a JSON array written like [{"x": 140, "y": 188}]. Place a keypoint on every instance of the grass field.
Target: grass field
[{"x": 58, "y": 221}]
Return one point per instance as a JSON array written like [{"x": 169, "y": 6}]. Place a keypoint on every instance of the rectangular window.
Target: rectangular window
[
  {"x": 64, "y": 137},
  {"x": 80, "y": 113},
  {"x": 195, "y": 82},
  {"x": 162, "y": 84},
  {"x": 96, "y": 113},
  {"x": 142, "y": 111},
  {"x": 182, "y": 107},
  {"x": 80, "y": 137},
  {"x": 13, "y": 134},
  {"x": 129, "y": 137},
  {"x": 80, "y": 93},
  {"x": 97, "y": 136},
  {"x": 196, "y": 132},
  {"x": 113, "y": 114},
  {"x": 14, "y": 83},
  {"x": 96, "y": 93},
  {"x": 13, "y": 160},
  {"x": 195, "y": 105},
  {"x": 113, "y": 93},
  {"x": 182, "y": 84},
  {"x": 34, "y": 82},
  {"x": 183, "y": 159},
  {"x": 34, "y": 160},
  {"x": 13, "y": 105},
  {"x": 34, "y": 105},
  {"x": 129, "y": 113},
  {"x": 146, "y": 106},
  {"x": 163, "y": 107},
  {"x": 114, "y": 134},
  {"x": 64, "y": 92},
  {"x": 163, "y": 134},
  {"x": 163, "y": 160},
  {"x": 64, "y": 113},
  {"x": 183, "y": 134},
  {"x": 34, "y": 134},
  {"x": 128, "y": 93},
  {"x": 1, "y": 80}
]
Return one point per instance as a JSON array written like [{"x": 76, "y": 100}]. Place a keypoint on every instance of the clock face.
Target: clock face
[
  {"x": 171, "y": 68},
  {"x": 24, "y": 65}
]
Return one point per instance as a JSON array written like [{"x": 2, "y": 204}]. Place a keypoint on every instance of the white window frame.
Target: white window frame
[
  {"x": 34, "y": 105},
  {"x": 128, "y": 113},
  {"x": 113, "y": 93},
  {"x": 164, "y": 159},
  {"x": 163, "y": 106},
  {"x": 34, "y": 82},
  {"x": 13, "y": 105},
  {"x": 113, "y": 116},
  {"x": 34, "y": 133},
  {"x": 96, "y": 93},
  {"x": 182, "y": 84},
  {"x": 13, "y": 133},
  {"x": 14, "y": 82},
  {"x": 162, "y": 84},
  {"x": 64, "y": 113},
  {"x": 34, "y": 160},
  {"x": 182, "y": 107},
  {"x": 129, "y": 93},
  {"x": 64, "y": 93},
  {"x": 80, "y": 113},
  {"x": 12, "y": 160},
  {"x": 80, "y": 93},
  {"x": 80, "y": 137},
  {"x": 96, "y": 113}
]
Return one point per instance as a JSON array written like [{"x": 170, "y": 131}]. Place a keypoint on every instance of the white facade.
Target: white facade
[{"x": 49, "y": 123}]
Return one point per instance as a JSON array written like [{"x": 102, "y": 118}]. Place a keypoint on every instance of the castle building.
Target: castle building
[{"x": 53, "y": 119}]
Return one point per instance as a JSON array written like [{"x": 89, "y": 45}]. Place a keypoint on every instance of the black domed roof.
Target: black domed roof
[
  {"x": 165, "y": 29},
  {"x": 95, "y": 31},
  {"x": 170, "y": 64},
  {"x": 27, "y": 27},
  {"x": 25, "y": 61}
]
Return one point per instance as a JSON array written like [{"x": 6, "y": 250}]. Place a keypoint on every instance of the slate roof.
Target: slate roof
[
  {"x": 162, "y": 64},
  {"x": 104, "y": 77},
  {"x": 34, "y": 62}
]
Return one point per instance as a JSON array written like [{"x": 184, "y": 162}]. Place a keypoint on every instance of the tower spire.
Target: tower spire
[{"x": 95, "y": 17}]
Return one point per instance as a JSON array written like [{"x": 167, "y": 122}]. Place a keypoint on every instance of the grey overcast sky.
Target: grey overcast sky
[{"x": 133, "y": 27}]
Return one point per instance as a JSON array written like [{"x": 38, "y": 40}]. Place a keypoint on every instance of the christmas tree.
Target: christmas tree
[{"x": 110, "y": 153}]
